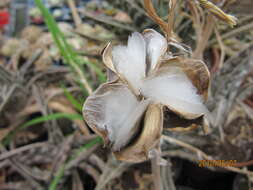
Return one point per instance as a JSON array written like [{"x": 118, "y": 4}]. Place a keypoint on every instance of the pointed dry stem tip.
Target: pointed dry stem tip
[{"x": 216, "y": 11}]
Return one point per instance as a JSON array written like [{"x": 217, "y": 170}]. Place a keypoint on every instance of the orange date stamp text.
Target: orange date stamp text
[{"x": 217, "y": 163}]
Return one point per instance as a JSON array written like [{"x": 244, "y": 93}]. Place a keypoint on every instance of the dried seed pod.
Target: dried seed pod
[
  {"x": 148, "y": 139},
  {"x": 156, "y": 48},
  {"x": 107, "y": 57},
  {"x": 142, "y": 81},
  {"x": 107, "y": 60},
  {"x": 130, "y": 61},
  {"x": 170, "y": 86},
  {"x": 196, "y": 70},
  {"x": 114, "y": 113},
  {"x": 173, "y": 122},
  {"x": 198, "y": 73}
]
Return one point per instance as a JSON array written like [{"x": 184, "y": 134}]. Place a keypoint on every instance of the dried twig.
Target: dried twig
[
  {"x": 95, "y": 160},
  {"x": 5, "y": 75},
  {"x": 108, "y": 20},
  {"x": 171, "y": 19},
  {"x": 16, "y": 151},
  {"x": 90, "y": 170},
  {"x": 23, "y": 171},
  {"x": 230, "y": 34},
  {"x": 113, "y": 170},
  {"x": 74, "y": 11},
  {"x": 84, "y": 155},
  {"x": 228, "y": 87},
  {"x": 222, "y": 48},
  {"x": 153, "y": 15},
  {"x": 167, "y": 179},
  {"x": 6, "y": 95},
  {"x": 77, "y": 181},
  {"x": 55, "y": 134},
  {"x": 204, "y": 37},
  {"x": 156, "y": 169}
]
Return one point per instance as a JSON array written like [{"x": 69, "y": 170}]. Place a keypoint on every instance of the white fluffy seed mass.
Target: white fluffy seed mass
[
  {"x": 156, "y": 47},
  {"x": 116, "y": 111},
  {"x": 130, "y": 60},
  {"x": 130, "y": 125},
  {"x": 173, "y": 88}
]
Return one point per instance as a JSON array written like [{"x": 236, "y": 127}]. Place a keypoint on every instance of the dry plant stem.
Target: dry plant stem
[
  {"x": 230, "y": 34},
  {"x": 19, "y": 121},
  {"x": 107, "y": 20},
  {"x": 90, "y": 170},
  {"x": 197, "y": 14},
  {"x": 245, "y": 19},
  {"x": 20, "y": 77},
  {"x": 246, "y": 107},
  {"x": 156, "y": 170},
  {"x": 4, "y": 164},
  {"x": 62, "y": 155},
  {"x": 83, "y": 79},
  {"x": 203, "y": 155},
  {"x": 54, "y": 132},
  {"x": 153, "y": 15},
  {"x": 7, "y": 96},
  {"x": 18, "y": 167},
  {"x": 182, "y": 129},
  {"x": 180, "y": 154},
  {"x": 233, "y": 72},
  {"x": 113, "y": 170},
  {"x": 57, "y": 92},
  {"x": 84, "y": 155},
  {"x": 167, "y": 178},
  {"x": 171, "y": 16},
  {"x": 23, "y": 70},
  {"x": 74, "y": 11},
  {"x": 16, "y": 151},
  {"x": 204, "y": 37},
  {"x": 134, "y": 4},
  {"x": 5, "y": 75},
  {"x": 56, "y": 70},
  {"x": 76, "y": 181},
  {"x": 187, "y": 146},
  {"x": 98, "y": 162}
]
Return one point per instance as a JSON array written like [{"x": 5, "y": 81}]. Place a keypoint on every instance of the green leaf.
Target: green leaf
[
  {"x": 72, "y": 100},
  {"x": 38, "y": 120},
  {"x": 53, "y": 116},
  {"x": 69, "y": 55},
  {"x": 57, "y": 178}
]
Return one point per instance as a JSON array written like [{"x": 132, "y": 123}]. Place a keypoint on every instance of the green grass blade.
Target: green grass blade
[
  {"x": 38, "y": 120},
  {"x": 52, "y": 26},
  {"x": 57, "y": 178},
  {"x": 51, "y": 117},
  {"x": 72, "y": 100},
  {"x": 86, "y": 146},
  {"x": 69, "y": 55}
]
